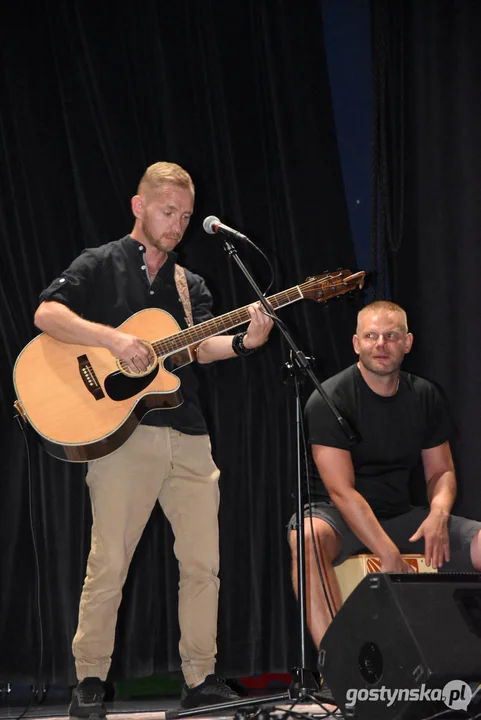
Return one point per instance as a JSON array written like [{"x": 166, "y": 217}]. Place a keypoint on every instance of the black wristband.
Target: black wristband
[{"x": 239, "y": 347}]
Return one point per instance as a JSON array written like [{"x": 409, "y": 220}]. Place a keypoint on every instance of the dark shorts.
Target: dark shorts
[{"x": 399, "y": 529}]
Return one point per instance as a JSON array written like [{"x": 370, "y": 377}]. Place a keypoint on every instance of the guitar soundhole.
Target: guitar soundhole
[{"x": 120, "y": 387}]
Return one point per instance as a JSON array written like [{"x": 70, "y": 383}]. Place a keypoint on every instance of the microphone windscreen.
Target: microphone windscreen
[{"x": 210, "y": 223}]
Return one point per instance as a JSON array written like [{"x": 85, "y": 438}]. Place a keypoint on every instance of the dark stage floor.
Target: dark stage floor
[
  {"x": 156, "y": 707},
  {"x": 148, "y": 709}
]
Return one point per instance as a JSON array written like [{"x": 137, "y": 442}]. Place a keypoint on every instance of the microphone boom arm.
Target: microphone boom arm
[{"x": 299, "y": 357}]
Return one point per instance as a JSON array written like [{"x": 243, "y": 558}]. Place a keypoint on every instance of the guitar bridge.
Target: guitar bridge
[{"x": 87, "y": 373}]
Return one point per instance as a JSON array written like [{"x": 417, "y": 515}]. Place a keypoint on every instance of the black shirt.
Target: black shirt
[
  {"x": 110, "y": 283},
  {"x": 393, "y": 431}
]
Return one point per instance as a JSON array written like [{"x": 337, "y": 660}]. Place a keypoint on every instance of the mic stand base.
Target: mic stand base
[
  {"x": 304, "y": 688},
  {"x": 231, "y": 705}
]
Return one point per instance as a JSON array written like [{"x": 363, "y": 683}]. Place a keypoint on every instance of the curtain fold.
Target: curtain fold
[
  {"x": 433, "y": 264},
  {"x": 238, "y": 94}
]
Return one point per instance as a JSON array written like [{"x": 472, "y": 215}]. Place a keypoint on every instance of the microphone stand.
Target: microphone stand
[{"x": 304, "y": 683}]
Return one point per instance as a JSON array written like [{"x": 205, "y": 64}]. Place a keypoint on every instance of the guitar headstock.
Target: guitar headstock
[{"x": 323, "y": 287}]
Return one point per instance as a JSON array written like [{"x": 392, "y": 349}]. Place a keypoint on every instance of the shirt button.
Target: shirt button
[
  {"x": 142, "y": 267},
  {"x": 151, "y": 292},
  {"x": 141, "y": 248}
]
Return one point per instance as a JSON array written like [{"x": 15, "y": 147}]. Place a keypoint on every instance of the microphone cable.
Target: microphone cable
[{"x": 20, "y": 422}]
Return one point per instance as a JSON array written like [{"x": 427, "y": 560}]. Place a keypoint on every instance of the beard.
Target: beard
[
  {"x": 382, "y": 369},
  {"x": 161, "y": 244}
]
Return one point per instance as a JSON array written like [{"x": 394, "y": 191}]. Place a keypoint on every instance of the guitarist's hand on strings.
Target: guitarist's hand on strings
[
  {"x": 131, "y": 350},
  {"x": 259, "y": 327},
  {"x": 221, "y": 347}
]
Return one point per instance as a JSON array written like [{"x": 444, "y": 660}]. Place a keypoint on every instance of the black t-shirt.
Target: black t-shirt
[
  {"x": 393, "y": 431},
  {"x": 110, "y": 283}
]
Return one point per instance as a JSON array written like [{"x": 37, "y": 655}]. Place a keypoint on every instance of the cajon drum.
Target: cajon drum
[{"x": 350, "y": 573}]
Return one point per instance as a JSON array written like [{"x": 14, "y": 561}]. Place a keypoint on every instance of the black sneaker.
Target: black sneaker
[
  {"x": 87, "y": 699},
  {"x": 324, "y": 693},
  {"x": 213, "y": 690}
]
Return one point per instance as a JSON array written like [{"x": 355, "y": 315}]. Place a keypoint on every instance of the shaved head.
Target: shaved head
[{"x": 387, "y": 306}]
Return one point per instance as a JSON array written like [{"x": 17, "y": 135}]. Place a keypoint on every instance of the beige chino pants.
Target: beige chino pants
[{"x": 177, "y": 470}]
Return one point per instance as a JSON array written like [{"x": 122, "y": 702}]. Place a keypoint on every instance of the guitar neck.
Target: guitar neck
[{"x": 197, "y": 333}]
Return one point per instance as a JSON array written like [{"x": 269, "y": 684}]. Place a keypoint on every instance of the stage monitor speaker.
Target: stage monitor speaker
[{"x": 405, "y": 632}]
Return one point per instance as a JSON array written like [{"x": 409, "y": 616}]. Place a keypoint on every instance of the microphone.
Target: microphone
[{"x": 213, "y": 225}]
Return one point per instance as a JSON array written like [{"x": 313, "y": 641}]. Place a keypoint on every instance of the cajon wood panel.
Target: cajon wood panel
[{"x": 350, "y": 573}]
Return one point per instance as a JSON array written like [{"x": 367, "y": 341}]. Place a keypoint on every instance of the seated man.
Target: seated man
[{"x": 363, "y": 500}]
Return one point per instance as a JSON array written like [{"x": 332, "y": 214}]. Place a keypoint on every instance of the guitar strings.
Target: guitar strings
[{"x": 189, "y": 336}]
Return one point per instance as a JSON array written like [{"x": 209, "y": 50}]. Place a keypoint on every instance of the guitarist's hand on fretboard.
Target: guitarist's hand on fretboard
[{"x": 259, "y": 327}]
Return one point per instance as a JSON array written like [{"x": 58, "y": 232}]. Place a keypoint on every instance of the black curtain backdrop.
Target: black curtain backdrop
[
  {"x": 427, "y": 70},
  {"x": 237, "y": 93}
]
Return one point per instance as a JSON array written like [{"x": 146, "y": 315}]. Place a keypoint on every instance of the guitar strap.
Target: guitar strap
[{"x": 183, "y": 290}]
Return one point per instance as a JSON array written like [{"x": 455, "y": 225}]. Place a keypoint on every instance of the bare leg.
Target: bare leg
[
  {"x": 328, "y": 545},
  {"x": 476, "y": 551}
]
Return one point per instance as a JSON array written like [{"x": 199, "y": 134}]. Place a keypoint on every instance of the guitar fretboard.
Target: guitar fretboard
[{"x": 196, "y": 334}]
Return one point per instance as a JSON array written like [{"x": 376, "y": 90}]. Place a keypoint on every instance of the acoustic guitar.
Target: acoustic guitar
[{"x": 84, "y": 403}]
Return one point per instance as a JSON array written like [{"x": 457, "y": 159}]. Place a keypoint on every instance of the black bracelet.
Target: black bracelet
[{"x": 238, "y": 345}]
